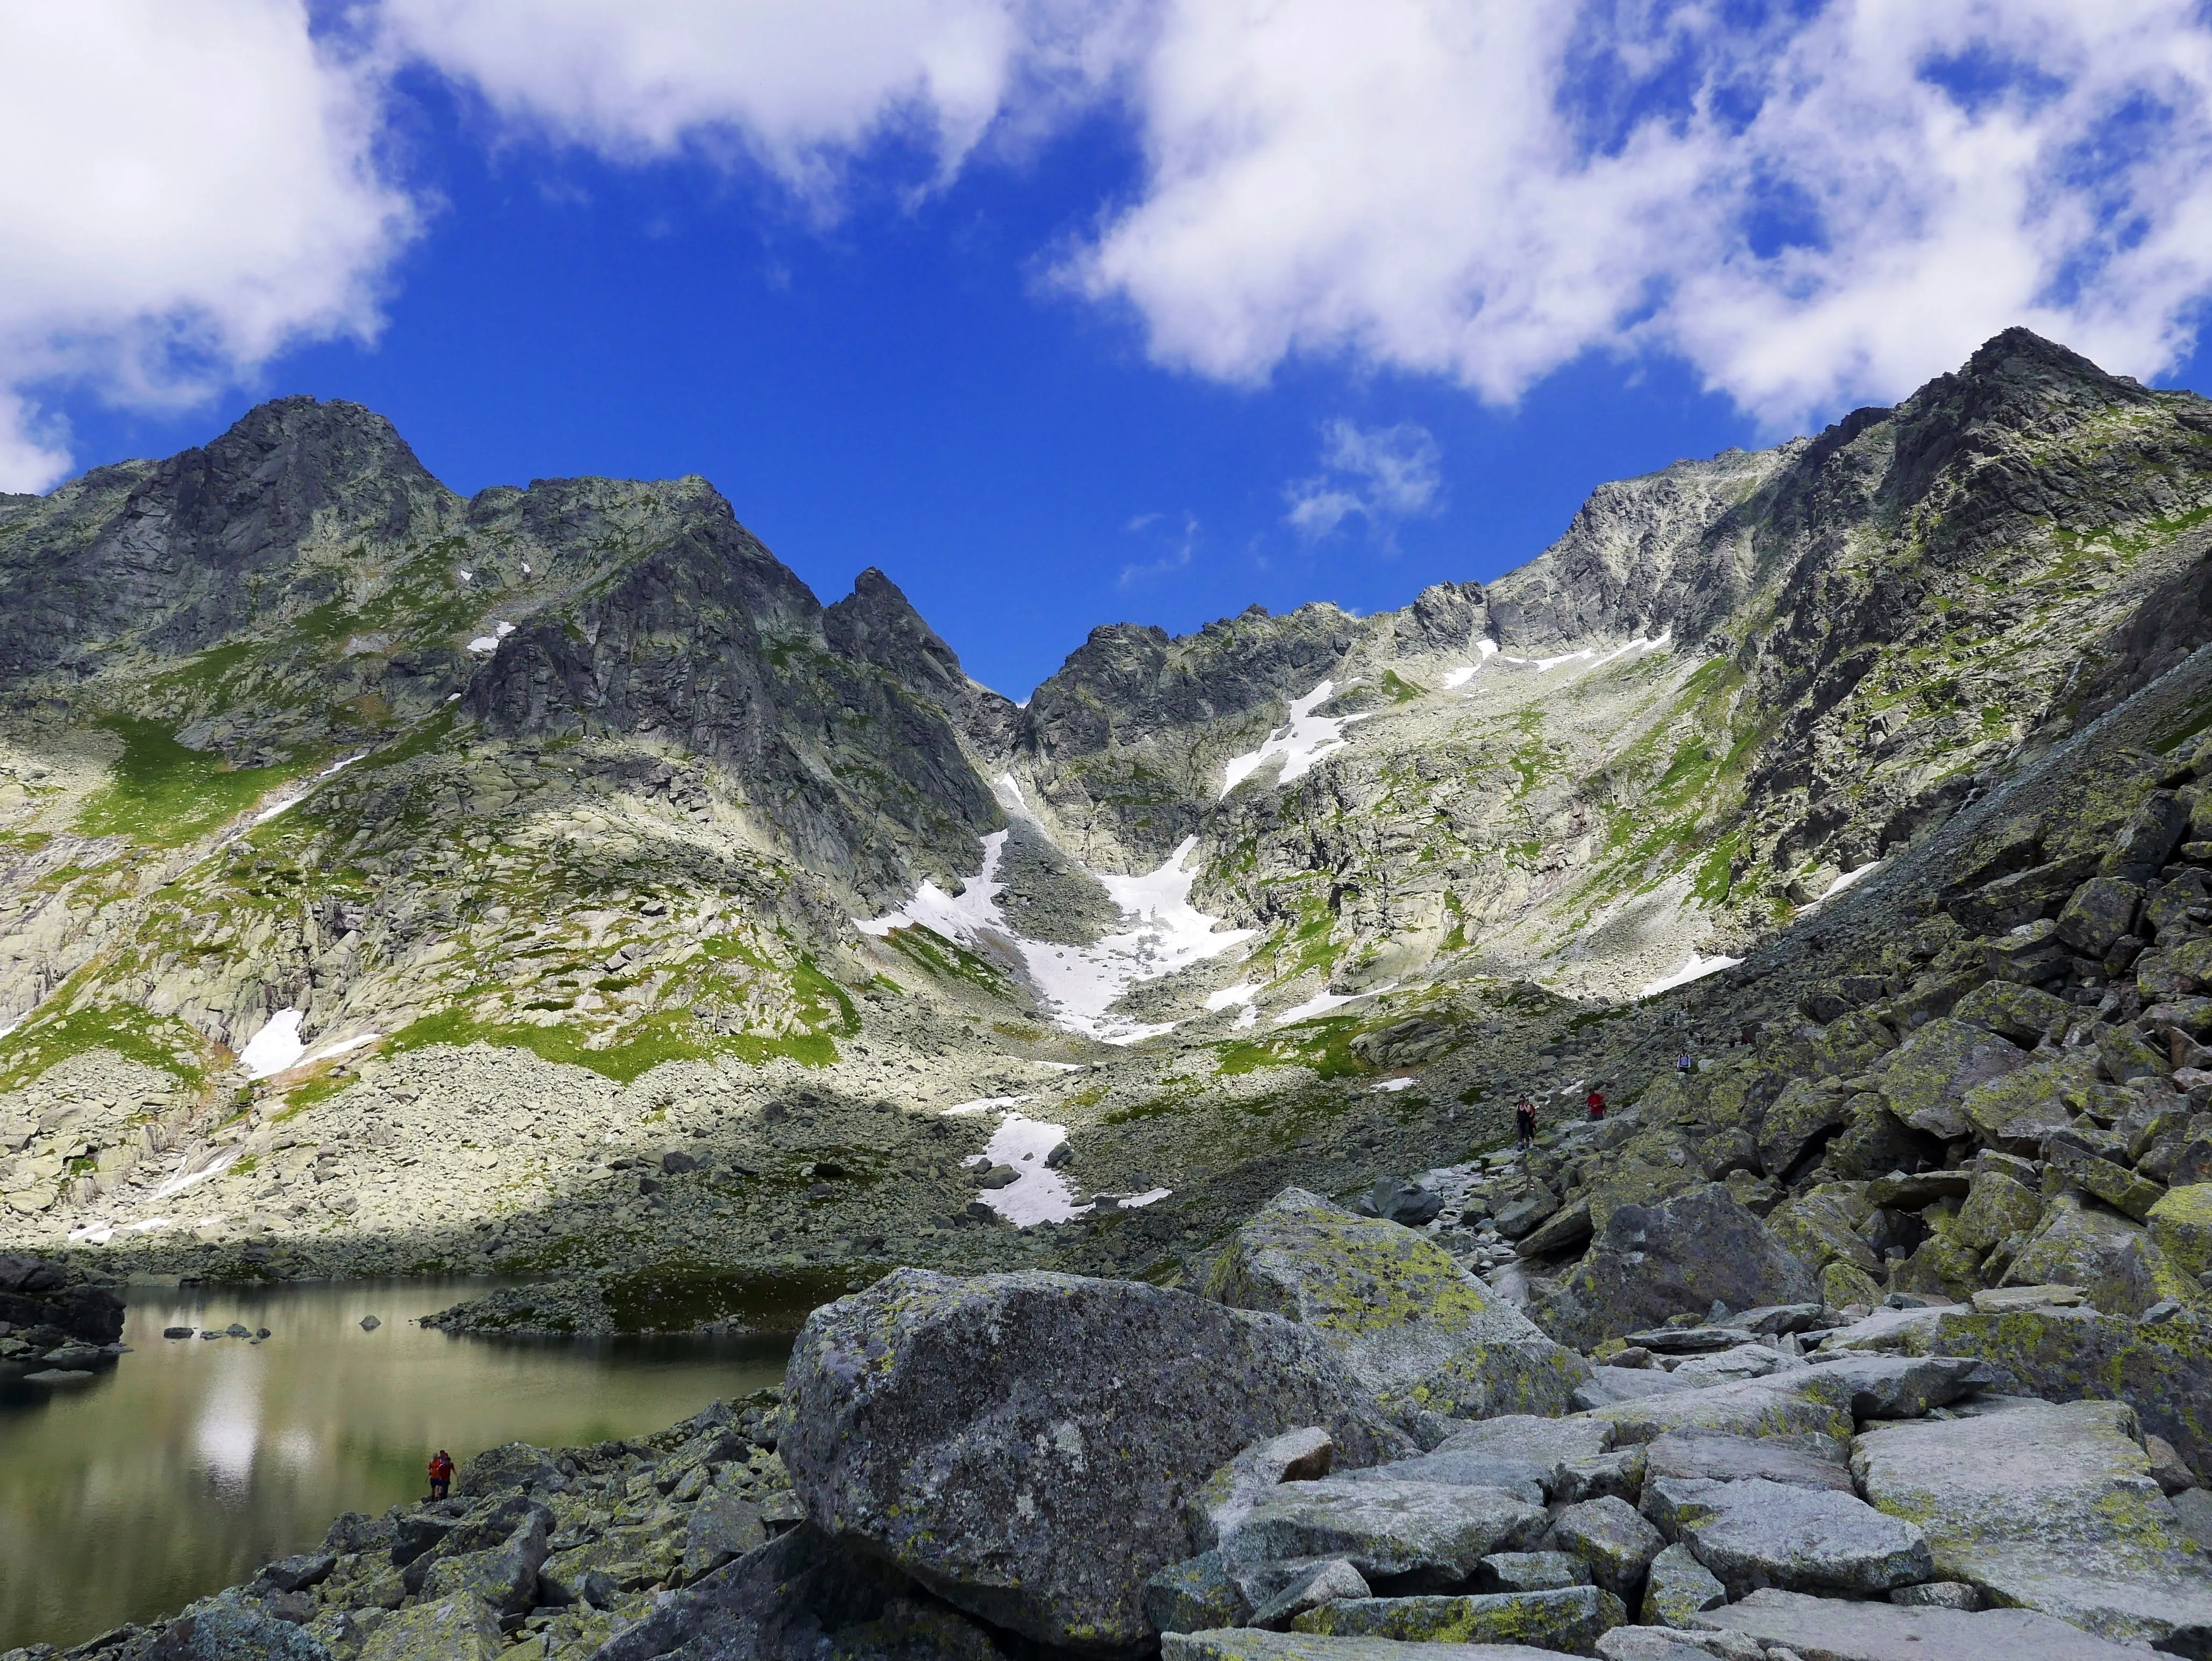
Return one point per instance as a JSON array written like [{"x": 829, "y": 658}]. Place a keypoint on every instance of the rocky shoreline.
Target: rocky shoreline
[{"x": 1344, "y": 1444}]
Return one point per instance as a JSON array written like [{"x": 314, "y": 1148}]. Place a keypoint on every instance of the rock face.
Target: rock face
[
  {"x": 2051, "y": 1507},
  {"x": 1409, "y": 1322},
  {"x": 1683, "y": 1253},
  {"x": 1026, "y": 1444}
]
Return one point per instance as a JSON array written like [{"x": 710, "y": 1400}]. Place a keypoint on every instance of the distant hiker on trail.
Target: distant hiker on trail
[
  {"x": 441, "y": 1475},
  {"x": 1595, "y": 1103},
  {"x": 1686, "y": 1063},
  {"x": 1524, "y": 1123}
]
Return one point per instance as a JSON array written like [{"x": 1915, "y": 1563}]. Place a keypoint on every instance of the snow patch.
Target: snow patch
[
  {"x": 1456, "y": 678},
  {"x": 983, "y": 1104},
  {"x": 10, "y": 1027},
  {"x": 276, "y": 1046},
  {"x": 491, "y": 642},
  {"x": 1247, "y": 1016},
  {"x": 1307, "y": 738},
  {"x": 1080, "y": 984},
  {"x": 1324, "y": 1001},
  {"x": 1848, "y": 880},
  {"x": 184, "y": 1179},
  {"x": 1150, "y": 1197},
  {"x": 1037, "y": 1193},
  {"x": 1390, "y": 1086},
  {"x": 293, "y": 801},
  {"x": 1696, "y": 968},
  {"x": 1589, "y": 654},
  {"x": 348, "y": 1046},
  {"x": 1243, "y": 992}
]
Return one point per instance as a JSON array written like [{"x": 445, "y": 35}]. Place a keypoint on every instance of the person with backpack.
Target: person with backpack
[
  {"x": 1595, "y": 1103},
  {"x": 441, "y": 1475},
  {"x": 1524, "y": 1124}
]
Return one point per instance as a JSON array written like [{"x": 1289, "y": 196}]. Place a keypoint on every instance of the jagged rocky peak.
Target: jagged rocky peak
[{"x": 876, "y": 623}]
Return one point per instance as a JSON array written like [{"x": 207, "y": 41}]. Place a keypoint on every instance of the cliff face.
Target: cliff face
[{"x": 290, "y": 732}]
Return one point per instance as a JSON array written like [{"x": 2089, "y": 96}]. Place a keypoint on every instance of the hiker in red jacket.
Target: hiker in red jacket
[
  {"x": 442, "y": 1475},
  {"x": 1595, "y": 1103}
]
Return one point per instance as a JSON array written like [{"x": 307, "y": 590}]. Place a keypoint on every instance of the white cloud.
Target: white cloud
[
  {"x": 1452, "y": 188},
  {"x": 187, "y": 186},
  {"x": 800, "y": 84},
  {"x": 1380, "y": 474},
  {"x": 1177, "y": 545}
]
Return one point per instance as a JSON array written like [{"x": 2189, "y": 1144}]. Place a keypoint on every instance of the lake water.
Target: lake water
[{"x": 196, "y": 1461}]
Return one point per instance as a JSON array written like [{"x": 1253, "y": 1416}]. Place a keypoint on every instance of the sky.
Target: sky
[{"x": 1070, "y": 311}]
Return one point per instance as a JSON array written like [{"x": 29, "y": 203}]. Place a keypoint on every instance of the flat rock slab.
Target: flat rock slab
[
  {"x": 1754, "y": 1408},
  {"x": 1722, "y": 1459},
  {"x": 1523, "y": 1436},
  {"x": 1756, "y": 1533},
  {"x": 1383, "y": 1529},
  {"x": 1247, "y": 1644},
  {"x": 2051, "y": 1507},
  {"x": 1524, "y": 1479},
  {"x": 1830, "y": 1629},
  {"x": 1568, "y": 1618}
]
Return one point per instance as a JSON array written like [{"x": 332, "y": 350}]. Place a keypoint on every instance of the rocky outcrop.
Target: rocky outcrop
[
  {"x": 1409, "y": 1323},
  {"x": 1026, "y": 1445}
]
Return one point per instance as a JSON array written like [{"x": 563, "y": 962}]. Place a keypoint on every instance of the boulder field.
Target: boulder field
[{"x": 1344, "y": 1447}]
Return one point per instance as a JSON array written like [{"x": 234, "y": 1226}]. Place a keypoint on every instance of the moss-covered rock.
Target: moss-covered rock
[
  {"x": 1821, "y": 1227},
  {"x": 1410, "y": 1323},
  {"x": 1926, "y": 1081},
  {"x": 1942, "y": 1264},
  {"x": 2181, "y": 1223},
  {"x": 1568, "y": 1618},
  {"x": 1799, "y": 1120},
  {"x": 2014, "y": 1112},
  {"x": 456, "y": 1628},
  {"x": 1998, "y": 1205},
  {"x": 1843, "y": 1284},
  {"x": 2047, "y": 1507},
  {"x": 2112, "y": 1259},
  {"x": 2021, "y": 1015},
  {"x": 2099, "y": 913}
]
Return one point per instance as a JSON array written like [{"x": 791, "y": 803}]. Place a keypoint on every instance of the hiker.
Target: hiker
[
  {"x": 1524, "y": 1123},
  {"x": 1595, "y": 1103},
  {"x": 441, "y": 1475},
  {"x": 1686, "y": 1063}
]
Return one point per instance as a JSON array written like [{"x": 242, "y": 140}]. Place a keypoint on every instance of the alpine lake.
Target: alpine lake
[{"x": 193, "y": 1461}]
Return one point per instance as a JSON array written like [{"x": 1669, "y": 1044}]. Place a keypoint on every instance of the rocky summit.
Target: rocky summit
[{"x": 1818, "y": 842}]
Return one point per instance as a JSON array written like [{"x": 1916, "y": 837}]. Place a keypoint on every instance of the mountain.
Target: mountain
[{"x": 556, "y": 853}]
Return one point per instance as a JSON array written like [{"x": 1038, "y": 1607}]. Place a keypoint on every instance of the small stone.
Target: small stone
[
  {"x": 177, "y": 1332},
  {"x": 1609, "y": 1536},
  {"x": 370, "y": 1323},
  {"x": 1324, "y": 1583},
  {"x": 1530, "y": 1570}
]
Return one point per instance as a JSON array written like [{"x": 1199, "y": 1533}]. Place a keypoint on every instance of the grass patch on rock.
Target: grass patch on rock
[{"x": 163, "y": 794}]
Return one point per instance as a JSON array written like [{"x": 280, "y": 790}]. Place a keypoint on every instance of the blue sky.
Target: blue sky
[{"x": 1046, "y": 357}]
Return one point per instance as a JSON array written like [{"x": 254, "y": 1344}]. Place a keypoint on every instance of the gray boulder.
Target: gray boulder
[
  {"x": 1412, "y": 1324},
  {"x": 1523, "y": 1479},
  {"x": 1025, "y": 1444},
  {"x": 1247, "y": 1644},
  {"x": 2051, "y": 1507},
  {"x": 1436, "y": 1534},
  {"x": 1194, "y": 1595},
  {"x": 1652, "y": 1262},
  {"x": 226, "y": 1628},
  {"x": 1677, "y": 1586},
  {"x": 1832, "y": 1628},
  {"x": 1530, "y": 1570},
  {"x": 1298, "y": 1455},
  {"x": 1926, "y": 1079},
  {"x": 1333, "y": 1581},
  {"x": 454, "y": 1628},
  {"x": 1756, "y": 1533},
  {"x": 1567, "y": 1618},
  {"x": 1806, "y": 1462},
  {"x": 1616, "y": 1544}
]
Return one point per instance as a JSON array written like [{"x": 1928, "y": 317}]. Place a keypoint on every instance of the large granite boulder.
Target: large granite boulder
[
  {"x": 1685, "y": 1253},
  {"x": 1409, "y": 1322},
  {"x": 458, "y": 1627},
  {"x": 1925, "y": 1080},
  {"x": 2114, "y": 1260},
  {"x": 2048, "y": 1506},
  {"x": 1026, "y": 1445},
  {"x": 1431, "y": 1533},
  {"x": 1756, "y": 1533}
]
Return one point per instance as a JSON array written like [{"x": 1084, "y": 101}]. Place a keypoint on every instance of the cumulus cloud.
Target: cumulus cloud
[
  {"x": 188, "y": 186},
  {"x": 1382, "y": 474},
  {"x": 799, "y": 84},
  {"x": 1811, "y": 205}
]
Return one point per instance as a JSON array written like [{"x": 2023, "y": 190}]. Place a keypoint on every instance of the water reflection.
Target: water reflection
[{"x": 196, "y": 1461}]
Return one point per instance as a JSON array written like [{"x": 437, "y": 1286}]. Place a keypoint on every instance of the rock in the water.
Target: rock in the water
[
  {"x": 1384, "y": 1529},
  {"x": 1832, "y": 1628},
  {"x": 456, "y": 1628},
  {"x": 1756, "y": 1533},
  {"x": 1686, "y": 1252},
  {"x": 1676, "y": 1586},
  {"x": 1249, "y": 1644},
  {"x": 1615, "y": 1543},
  {"x": 1025, "y": 1444},
  {"x": 1567, "y": 1618},
  {"x": 1410, "y": 1323},
  {"x": 2051, "y": 1507}
]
